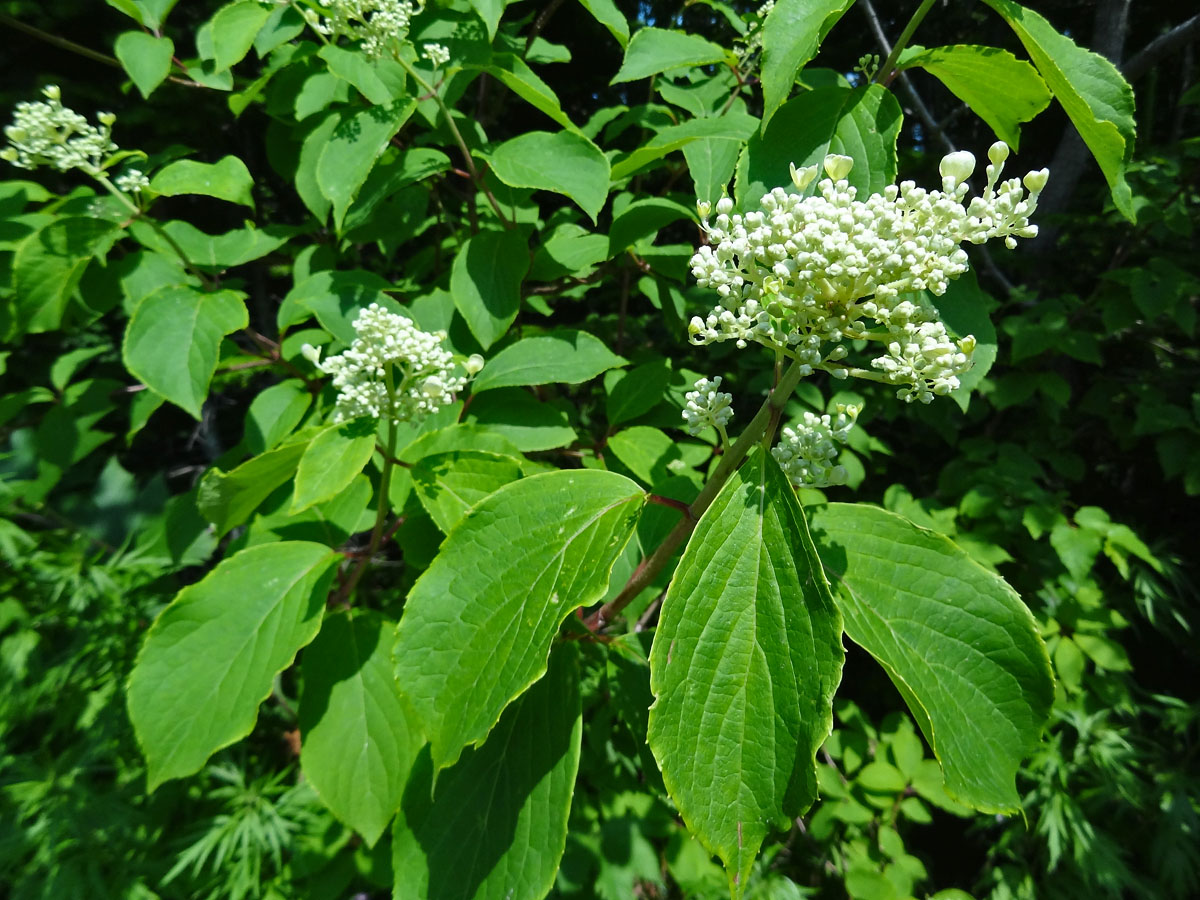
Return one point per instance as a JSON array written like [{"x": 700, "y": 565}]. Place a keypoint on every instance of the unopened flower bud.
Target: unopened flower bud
[
  {"x": 1035, "y": 181},
  {"x": 106, "y": 118},
  {"x": 704, "y": 208},
  {"x": 52, "y": 92},
  {"x": 998, "y": 153},
  {"x": 724, "y": 206},
  {"x": 473, "y": 364},
  {"x": 957, "y": 166},
  {"x": 311, "y": 353},
  {"x": 837, "y": 166},
  {"x": 802, "y": 178}
]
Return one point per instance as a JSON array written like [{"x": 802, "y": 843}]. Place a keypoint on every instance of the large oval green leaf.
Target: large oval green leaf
[
  {"x": 564, "y": 356},
  {"x": 791, "y": 35},
  {"x": 478, "y": 624},
  {"x": 497, "y": 824},
  {"x": 358, "y": 737},
  {"x": 563, "y": 162},
  {"x": 210, "y": 659},
  {"x": 955, "y": 638},
  {"x": 485, "y": 282},
  {"x": 745, "y": 663},
  {"x": 1096, "y": 97},
  {"x": 654, "y": 50},
  {"x": 174, "y": 337}
]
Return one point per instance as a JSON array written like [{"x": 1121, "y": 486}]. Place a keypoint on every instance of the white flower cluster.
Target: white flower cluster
[
  {"x": 392, "y": 369},
  {"x": 47, "y": 133},
  {"x": 804, "y": 271},
  {"x": 806, "y": 452},
  {"x": 436, "y": 54},
  {"x": 133, "y": 181},
  {"x": 751, "y": 42},
  {"x": 377, "y": 23},
  {"x": 707, "y": 405}
]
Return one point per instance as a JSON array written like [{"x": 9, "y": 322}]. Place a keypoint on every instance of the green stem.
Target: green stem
[
  {"x": 158, "y": 229},
  {"x": 885, "y": 71},
  {"x": 864, "y": 374},
  {"x": 652, "y": 565},
  {"x": 462, "y": 144}
]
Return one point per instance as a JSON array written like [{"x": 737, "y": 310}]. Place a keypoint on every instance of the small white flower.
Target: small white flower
[
  {"x": 376, "y": 23},
  {"x": 47, "y": 133},
  {"x": 436, "y": 54},
  {"x": 707, "y": 405},
  {"x": 806, "y": 453},
  {"x": 390, "y": 349}
]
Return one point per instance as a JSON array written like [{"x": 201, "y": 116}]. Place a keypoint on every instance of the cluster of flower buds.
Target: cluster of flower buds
[
  {"x": 132, "y": 181},
  {"x": 707, "y": 406},
  {"x": 806, "y": 453},
  {"x": 392, "y": 369},
  {"x": 437, "y": 54},
  {"x": 48, "y": 134},
  {"x": 377, "y": 23},
  {"x": 801, "y": 274}
]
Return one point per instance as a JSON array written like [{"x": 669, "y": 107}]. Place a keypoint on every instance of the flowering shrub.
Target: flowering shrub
[{"x": 458, "y": 491}]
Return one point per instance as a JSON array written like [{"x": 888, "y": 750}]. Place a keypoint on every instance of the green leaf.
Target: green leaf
[
  {"x": 1098, "y": 100},
  {"x": 174, "y": 338},
  {"x": 211, "y": 657},
  {"x": 647, "y": 452},
  {"x": 497, "y": 825},
  {"x": 214, "y": 251},
  {"x": 637, "y": 391},
  {"x": 644, "y": 218},
  {"x": 228, "y": 498},
  {"x": 733, "y": 126},
  {"x": 48, "y": 264},
  {"x": 274, "y": 413},
  {"x": 358, "y": 737},
  {"x": 490, "y": 11},
  {"x": 353, "y": 66},
  {"x": 957, "y": 641},
  {"x": 859, "y": 122},
  {"x": 606, "y": 13},
  {"x": 530, "y": 424},
  {"x": 233, "y": 30},
  {"x": 563, "y": 162},
  {"x": 353, "y": 149},
  {"x": 561, "y": 357},
  {"x": 999, "y": 88},
  {"x": 744, "y": 666},
  {"x": 711, "y": 162},
  {"x": 335, "y": 298},
  {"x": 515, "y": 74},
  {"x": 478, "y": 623},
  {"x": 791, "y": 35},
  {"x": 154, "y": 12},
  {"x": 331, "y": 461},
  {"x": 226, "y": 179},
  {"x": 485, "y": 282},
  {"x": 145, "y": 57},
  {"x": 654, "y": 50},
  {"x": 449, "y": 484}
]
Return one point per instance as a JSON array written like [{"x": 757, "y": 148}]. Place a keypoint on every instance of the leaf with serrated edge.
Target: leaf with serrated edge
[
  {"x": 497, "y": 825},
  {"x": 954, "y": 638},
  {"x": 744, "y": 666},
  {"x": 211, "y": 657},
  {"x": 358, "y": 737},
  {"x": 478, "y": 623}
]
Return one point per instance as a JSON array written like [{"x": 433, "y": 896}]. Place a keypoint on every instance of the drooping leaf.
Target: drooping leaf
[
  {"x": 478, "y": 623},
  {"x": 485, "y": 282},
  {"x": 48, "y": 265},
  {"x": 1098, "y": 100},
  {"x": 490, "y": 11},
  {"x": 145, "y": 57},
  {"x": 606, "y": 13},
  {"x": 791, "y": 35},
  {"x": 744, "y": 666},
  {"x": 228, "y": 498},
  {"x": 449, "y": 484},
  {"x": 515, "y": 74},
  {"x": 226, "y": 179},
  {"x": 711, "y": 162},
  {"x": 956, "y": 640},
  {"x": 564, "y": 356},
  {"x": 358, "y": 739},
  {"x": 497, "y": 824},
  {"x": 233, "y": 30},
  {"x": 211, "y": 657},
  {"x": 274, "y": 413},
  {"x": 352, "y": 150},
  {"x": 999, "y": 88},
  {"x": 174, "y": 337},
  {"x": 563, "y": 162},
  {"x": 732, "y": 126},
  {"x": 331, "y": 461},
  {"x": 862, "y": 123},
  {"x": 654, "y": 50}
]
